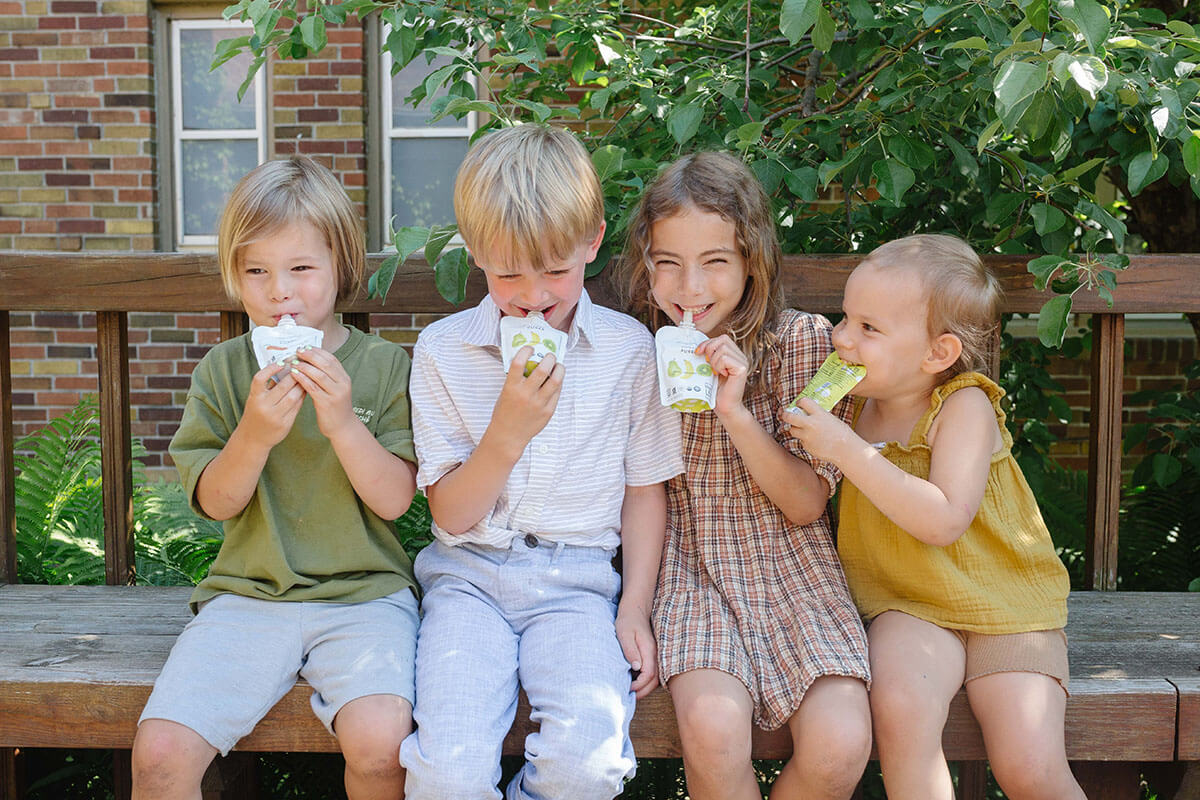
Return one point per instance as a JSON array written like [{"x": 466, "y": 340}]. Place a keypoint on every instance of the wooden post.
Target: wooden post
[
  {"x": 1108, "y": 780},
  {"x": 116, "y": 458},
  {"x": 233, "y": 323},
  {"x": 972, "y": 780},
  {"x": 359, "y": 319},
  {"x": 1104, "y": 450},
  {"x": 8, "y": 497}
]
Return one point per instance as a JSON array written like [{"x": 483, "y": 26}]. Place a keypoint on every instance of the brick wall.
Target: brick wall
[{"x": 79, "y": 171}]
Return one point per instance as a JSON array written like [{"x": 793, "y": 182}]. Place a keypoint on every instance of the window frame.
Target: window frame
[{"x": 260, "y": 133}]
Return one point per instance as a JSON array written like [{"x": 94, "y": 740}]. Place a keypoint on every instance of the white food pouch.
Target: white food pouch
[
  {"x": 685, "y": 380},
  {"x": 534, "y": 331},
  {"x": 276, "y": 345}
]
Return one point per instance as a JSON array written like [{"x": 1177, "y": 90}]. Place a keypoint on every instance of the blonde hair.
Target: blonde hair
[
  {"x": 279, "y": 193},
  {"x": 721, "y": 184},
  {"x": 530, "y": 192},
  {"x": 962, "y": 296}
]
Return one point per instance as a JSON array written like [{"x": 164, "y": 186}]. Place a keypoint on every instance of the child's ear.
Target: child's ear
[
  {"x": 943, "y": 353},
  {"x": 594, "y": 244}
]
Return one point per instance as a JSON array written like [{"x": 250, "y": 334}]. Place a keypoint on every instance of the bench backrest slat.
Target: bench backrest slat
[{"x": 114, "y": 284}]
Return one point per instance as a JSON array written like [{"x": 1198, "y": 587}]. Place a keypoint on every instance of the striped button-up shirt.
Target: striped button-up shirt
[{"x": 609, "y": 430}]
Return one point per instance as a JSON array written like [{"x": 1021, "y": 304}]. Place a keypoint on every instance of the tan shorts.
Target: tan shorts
[{"x": 1044, "y": 652}]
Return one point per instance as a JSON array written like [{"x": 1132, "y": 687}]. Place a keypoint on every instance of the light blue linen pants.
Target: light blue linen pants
[{"x": 535, "y": 612}]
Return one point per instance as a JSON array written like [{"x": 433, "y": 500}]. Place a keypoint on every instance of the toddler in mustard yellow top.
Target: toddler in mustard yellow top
[{"x": 943, "y": 546}]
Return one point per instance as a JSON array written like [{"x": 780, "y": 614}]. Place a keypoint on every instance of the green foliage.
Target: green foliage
[{"x": 992, "y": 120}]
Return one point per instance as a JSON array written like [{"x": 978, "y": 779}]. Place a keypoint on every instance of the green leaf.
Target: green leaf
[
  {"x": 1042, "y": 268},
  {"x": 932, "y": 14},
  {"x": 1182, "y": 28},
  {"x": 1191, "y": 154},
  {"x": 450, "y": 275},
  {"x": 1052, "y": 320},
  {"x": 1167, "y": 469},
  {"x": 1016, "y": 85},
  {"x": 769, "y": 172},
  {"x": 1037, "y": 14},
  {"x": 970, "y": 43},
  {"x": 1089, "y": 74},
  {"x": 439, "y": 237},
  {"x": 823, "y": 30},
  {"x": 986, "y": 136},
  {"x": 1047, "y": 218},
  {"x": 1088, "y": 17},
  {"x": 227, "y": 49},
  {"x": 684, "y": 121},
  {"x": 607, "y": 160},
  {"x": 407, "y": 240},
  {"x": 1107, "y": 220},
  {"x": 379, "y": 283},
  {"x": 892, "y": 179},
  {"x": 796, "y": 17},
  {"x": 1001, "y": 206},
  {"x": 1074, "y": 172},
  {"x": 911, "y": 151},
  {"x": 1194, "y": 586},
  {"x": 802, "y": 182},
  {"x": 334, "y": 13},
  {"x": 312, "y": 30},
  {"x": 967, "y": 164},
  {"x": 541, "y": 111},
  {"x": 1145, "y": 169},
  {"x": 749, "y": 134}
]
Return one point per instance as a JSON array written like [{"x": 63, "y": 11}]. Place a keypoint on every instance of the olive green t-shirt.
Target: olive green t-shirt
[{"x": 305, "y": 535}]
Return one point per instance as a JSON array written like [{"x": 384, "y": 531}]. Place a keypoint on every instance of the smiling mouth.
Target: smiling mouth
[{"x": 695, "y": 311}]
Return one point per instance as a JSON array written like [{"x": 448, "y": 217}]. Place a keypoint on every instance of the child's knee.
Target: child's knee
[
  {"x": 370, "y": 730},
  {"x": 585, "y": 776},
  {"x": 897, "y": 710},
  {"x": 714, "y": 733},
  {"x": 461, "y": 772},
  {"x": 165, "y": 751}
]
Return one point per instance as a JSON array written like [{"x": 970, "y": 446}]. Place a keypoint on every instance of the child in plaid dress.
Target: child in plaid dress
[{"x": 753, "y": 618}]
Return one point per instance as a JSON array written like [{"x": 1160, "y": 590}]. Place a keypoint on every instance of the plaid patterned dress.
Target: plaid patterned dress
[{"x": 742, "y": 589}]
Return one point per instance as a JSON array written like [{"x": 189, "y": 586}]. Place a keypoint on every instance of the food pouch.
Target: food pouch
[
  {"x": 276, "y": 345},
  {"x": 685, "y": 380},
  {"x": 534, "y": 331},
  {"x": 833, "y": 381}
]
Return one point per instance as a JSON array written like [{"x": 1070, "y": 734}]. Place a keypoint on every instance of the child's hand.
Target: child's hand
[
  {"x": 637, "y": 643},
  {"x": 526, "y": 403},
  {"x": 322, "y": 376},
  {"x": 823, "y": 435},
  {"x": 731, "y": 367},
  {"x": 271, "y": 406}
]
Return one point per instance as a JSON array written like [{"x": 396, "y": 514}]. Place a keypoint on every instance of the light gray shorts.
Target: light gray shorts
[{"x": 238, "y": 656}]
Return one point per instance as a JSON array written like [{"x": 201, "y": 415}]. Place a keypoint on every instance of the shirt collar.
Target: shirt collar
[{"x": 483, "y": 326}]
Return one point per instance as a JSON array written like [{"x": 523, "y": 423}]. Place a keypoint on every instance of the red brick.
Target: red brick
[
  {"x": 55, "y": 23},
  {"x": 77, "y": 383},
  {"x": 23, "y": 148},
  {"x": 81, "y": 226},
  {"x": 39, "y": 164},
  {"x": 68, "y": 179},
  {"x": 39, "y": 226},
  {"x": 78, "y": 69},
  {"x": 346, "y": 69},
  {"x": 121, "y": 116},
  {"x": 74, "y": 101},
  {"x": 13, "y": 132},
  {"x": 97, "y": 23},
  {"x": 57, "y": 398},
  {"x": 346, "y": 99},
  {"x": 135, "y": 195},
  {"x": 35, "y": 70},
  {"x": 116, "y": 179},
  {"x": 311, "y": 146},
  {"x": 132, "y": 162},
  {"x": 87, "y": 132},
  {"x": 112, "y": 53},
  {"x": 18, "y": 54},
  {"x": 290, "y": 100},
  {"x": 61, "y": 211},
  {"x": 128, "y": 99},
  {"x": 317, "y": 115},
  {"x": 128, "y": 68},
  {"x": 90, "y": 195},
  {"x": 70, "y": 147},
  {"x": 90, "y": 163}
]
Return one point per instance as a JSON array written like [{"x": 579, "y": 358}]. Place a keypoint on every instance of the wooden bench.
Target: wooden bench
[{"x": 77, "y": 663}]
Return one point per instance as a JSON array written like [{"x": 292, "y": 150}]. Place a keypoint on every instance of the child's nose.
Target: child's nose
[
  {"x": 280, "y": 288},
  {"x": 841, "y": 341},
  {"x": 692, "y": 280}
]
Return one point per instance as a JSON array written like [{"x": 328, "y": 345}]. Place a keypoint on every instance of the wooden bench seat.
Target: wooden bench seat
[{"x": 77, "y": 664}]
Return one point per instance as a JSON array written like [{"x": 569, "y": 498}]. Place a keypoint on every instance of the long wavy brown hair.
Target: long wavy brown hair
[{"x": 721, "y": 184}]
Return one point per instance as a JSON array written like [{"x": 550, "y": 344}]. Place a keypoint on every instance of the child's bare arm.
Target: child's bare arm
[
  {"x": 643, "y": 529},
  {"x": 789, "y": 482},
  {"x": 465, "y": 494},
  {"x": 385, "y": 482},
  {"x": 936, "y": 511},
  {"x": 229, "y": 481}
]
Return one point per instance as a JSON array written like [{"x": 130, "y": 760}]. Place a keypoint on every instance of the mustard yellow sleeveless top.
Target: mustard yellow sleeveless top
[{"x": 1001, "y": 576}]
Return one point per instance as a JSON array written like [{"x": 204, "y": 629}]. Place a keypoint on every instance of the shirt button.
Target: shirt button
[
  {"x": 543, "y": 449},
  {"x": 531, "y": 541}
]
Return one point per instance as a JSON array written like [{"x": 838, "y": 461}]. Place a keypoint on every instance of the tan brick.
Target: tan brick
[
  {"x": 129, "y": 226},
  {"x": 64, "y": 54},
  {"x": 22, "y": 367},
  {"x": 286, "y": 116},
  {"x": 44, "y": 195},
  {"x": 49, "y": 366},
  {"x": 289, "y": 68},
  {"x": 138, "y": 132},
  {"x": 14, "y": 22},
  {"x": 114, "y": 212},
  {"x": 21, "y": 210},
  {"x": 106, "y": 243},
  {"x": 36, "y": 7},
  {"x": 27, "y": 85},
  {"x": 138, "y": 84},
  {"x": 352, "y": 115},
  {"x": 105, "y": 147},
  {"x": 325, "y": 132},
  {"x": 9, "y": 196},
  {"x": 22, "y": 179}
]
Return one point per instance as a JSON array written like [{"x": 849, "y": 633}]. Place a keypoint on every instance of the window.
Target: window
[
  {"x": 215, "y": 138},
  {"x": 420, "y": 158}
]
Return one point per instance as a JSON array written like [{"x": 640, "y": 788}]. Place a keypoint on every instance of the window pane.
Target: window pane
[
  {"x": 423, "y": 179},
  {"x": 210, "y": 98},
  {"x": 407, "y": 79},
  {"x": 210, "y": 169}
]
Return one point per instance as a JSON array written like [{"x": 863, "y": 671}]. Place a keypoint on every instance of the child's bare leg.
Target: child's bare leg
[
  {"x": 916, "y": 669},
  {"x": 1021, "y": 715},
  {"x": 369, "y": 730},
  {"x": 715, "y": 713},
  {"x": 169, "y": 761},
  {"x": 831, "y": 742}
]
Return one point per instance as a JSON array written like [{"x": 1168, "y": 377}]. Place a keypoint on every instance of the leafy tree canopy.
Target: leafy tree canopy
[{"x": 992, "y": 119}]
